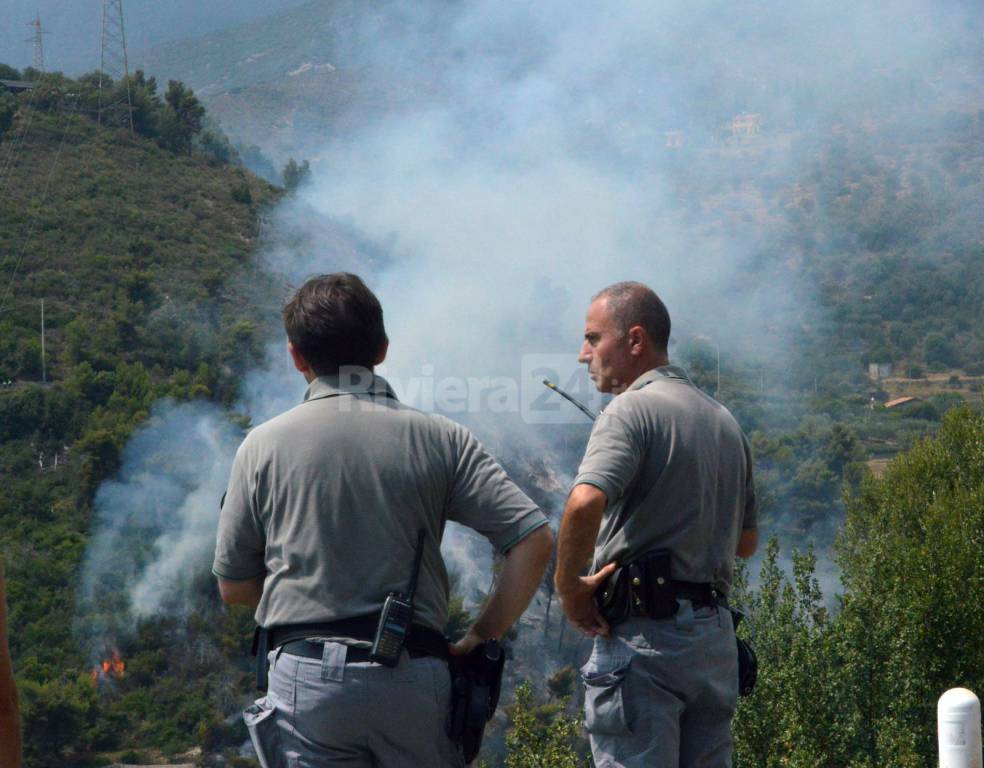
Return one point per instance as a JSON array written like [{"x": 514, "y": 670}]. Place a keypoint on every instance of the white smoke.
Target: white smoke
[{"x": 533, "y": 173}]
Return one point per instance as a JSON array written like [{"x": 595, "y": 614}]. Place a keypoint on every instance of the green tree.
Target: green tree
[
  {"x": 939, "y": 351},
  {"x": 8, "y": 108},
  {"x": 859, "y": 689},
  {"x": 541, "y": 736},
  {"x": 58, "y": 717},
  {"x": 296, "y": 174},
  {"x": 146, "y": 104},
  {"x": 911, "y": 556},
  {"x": 181, "y": 119}
]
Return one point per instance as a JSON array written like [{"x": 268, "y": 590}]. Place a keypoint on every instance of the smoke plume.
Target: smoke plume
[{"x": 559, "y": 147}]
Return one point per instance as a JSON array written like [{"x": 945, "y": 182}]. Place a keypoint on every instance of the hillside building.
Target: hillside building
[
  {"x": 878, "y": 371},
  {"x": 16, "y": 86},
  {"x": 746, "y": 125},
  {"x": 675, "y": 139}
]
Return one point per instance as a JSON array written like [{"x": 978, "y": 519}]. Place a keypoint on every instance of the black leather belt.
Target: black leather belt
[
  {"x": 700, "y": 595},
  {"x": 311, "y": 649},
  {"x": 420, "y": 641}
]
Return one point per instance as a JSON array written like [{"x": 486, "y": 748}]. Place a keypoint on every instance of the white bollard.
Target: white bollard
[{"x": 959, "y": 717}]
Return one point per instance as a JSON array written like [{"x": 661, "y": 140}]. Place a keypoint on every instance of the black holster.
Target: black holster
[
  {"x": 259, "y": 650},
  {"x": 641, "y": 588},
  {"x": 476, "y": 680},
  {"x": 747, "y": 660}
]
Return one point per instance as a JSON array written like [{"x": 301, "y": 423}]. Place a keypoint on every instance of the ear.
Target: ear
[
  {"x": 638, "y": 340},
  {"x": 383, "y": 349},
  {"x": 299, "y": 362}
]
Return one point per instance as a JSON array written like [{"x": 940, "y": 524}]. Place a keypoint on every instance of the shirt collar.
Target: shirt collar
[
  {"x": 355, "y": 381},
  {"x": 663, "y": 372}
]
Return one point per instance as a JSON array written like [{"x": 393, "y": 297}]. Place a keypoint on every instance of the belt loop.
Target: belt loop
[
  {"x": 333, "y": 662},
  {"x": 276, "y": 657},
  {"x": 684, "y": 616}
]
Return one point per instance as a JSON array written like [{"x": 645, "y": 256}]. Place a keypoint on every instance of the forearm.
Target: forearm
[
  {"x": 516, "y": 585},
  {"x": 578, "y": 533}
]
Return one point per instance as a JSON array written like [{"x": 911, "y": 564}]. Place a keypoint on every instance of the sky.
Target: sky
[{"x": 73, "y": 44}]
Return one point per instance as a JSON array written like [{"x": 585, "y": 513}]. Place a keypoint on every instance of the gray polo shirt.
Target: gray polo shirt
[
  {"x": 325, "y": 501},
  {"x": 677, "y": 472}
]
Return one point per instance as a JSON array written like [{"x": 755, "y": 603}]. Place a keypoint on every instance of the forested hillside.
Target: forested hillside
[{"x": 141, "y": 249}]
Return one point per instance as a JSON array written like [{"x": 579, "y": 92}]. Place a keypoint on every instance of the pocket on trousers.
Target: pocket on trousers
[
  {"x": 604, "y": 700},
  {"x": 260, "y": 719}
]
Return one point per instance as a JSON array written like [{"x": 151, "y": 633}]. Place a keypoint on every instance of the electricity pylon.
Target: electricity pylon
[
  {"x": 38, "y": 41},
  {"x": 113, "y": 66}
]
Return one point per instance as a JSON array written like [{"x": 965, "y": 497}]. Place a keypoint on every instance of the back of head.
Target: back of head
[
  {"x": 632, "y": 304},
  {"x": 335, "y": 321}
]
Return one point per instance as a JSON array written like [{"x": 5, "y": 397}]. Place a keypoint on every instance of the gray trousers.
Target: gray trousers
[
  {"x": 661, "y": 694},
  {"x": 326, "y": 713}
]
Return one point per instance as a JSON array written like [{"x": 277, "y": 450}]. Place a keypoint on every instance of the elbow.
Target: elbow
[
  {"x": 246, "y": 593},
  {"x": 748, "y": 543},
  {"x": 535, "y": 550},
  {"x": 228, "y": 595}
]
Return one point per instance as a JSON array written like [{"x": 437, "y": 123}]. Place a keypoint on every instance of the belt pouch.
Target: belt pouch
[
  {"x": 747, "y": 660},
  {"x": 613, "y": 597},
  {"x": 476, "y": 680},
  {"x": 660, "y": 595},
  {"x": 260, "y": 649}
]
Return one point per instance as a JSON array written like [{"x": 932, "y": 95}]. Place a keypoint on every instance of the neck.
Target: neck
[{"x": 645, "y": 364}]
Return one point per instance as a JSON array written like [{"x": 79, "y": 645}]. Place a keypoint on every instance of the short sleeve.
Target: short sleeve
[
  {"x": 484, "y": 499},
  {"x": 240, "y": 543},
  {"x": 612, "y": 457},
  {"x": 750, "y": 519}
]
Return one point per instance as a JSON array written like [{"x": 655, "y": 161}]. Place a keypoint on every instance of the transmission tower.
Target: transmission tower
[
  {"x": 114, "y": 107},
  {"x": 38, "y": 41}
]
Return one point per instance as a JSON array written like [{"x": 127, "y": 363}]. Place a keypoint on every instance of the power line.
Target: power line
[{"x": 114, "y": 68}]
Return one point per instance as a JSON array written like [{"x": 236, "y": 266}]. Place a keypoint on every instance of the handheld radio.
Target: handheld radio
[{"x": 396, "y": 617}]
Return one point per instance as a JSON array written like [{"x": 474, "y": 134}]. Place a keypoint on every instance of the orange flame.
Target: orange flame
[{"x": 114, "y": 667}]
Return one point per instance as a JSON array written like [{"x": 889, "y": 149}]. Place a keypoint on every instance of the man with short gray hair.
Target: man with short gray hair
[
  {"x": 330, "y": 508},
  {"x": 662, "y": 503}
]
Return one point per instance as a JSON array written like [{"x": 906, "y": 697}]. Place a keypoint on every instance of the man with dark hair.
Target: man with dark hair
[
  {"x": 328, "y": 508},
  {"x": 334, "y": 322},
  {"x": 664, "y": 500}
]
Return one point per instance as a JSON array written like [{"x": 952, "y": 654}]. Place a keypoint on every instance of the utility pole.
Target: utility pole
[
  {"x": 44, "y": 368},
  {"x": 38, "y": 42},
  {"x": 114, "y": 67}
]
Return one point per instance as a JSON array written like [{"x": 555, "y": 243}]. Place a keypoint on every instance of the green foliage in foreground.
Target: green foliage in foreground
[
  {"x": 859, "y": 688},
  {"x": 540, "y": 736}
]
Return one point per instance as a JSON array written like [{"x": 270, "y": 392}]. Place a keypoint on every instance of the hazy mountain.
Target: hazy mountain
[
  {"x": 312, "y": 73},
  {"x": 73, "y": 43}
]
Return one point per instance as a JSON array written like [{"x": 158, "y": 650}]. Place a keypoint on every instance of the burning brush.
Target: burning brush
[{"x": 111, "y": 668}]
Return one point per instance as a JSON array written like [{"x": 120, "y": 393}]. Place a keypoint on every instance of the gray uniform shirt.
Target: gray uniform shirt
[
  {"x": 677, "y": 472},
  {"x": 325, "y": 502}
]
